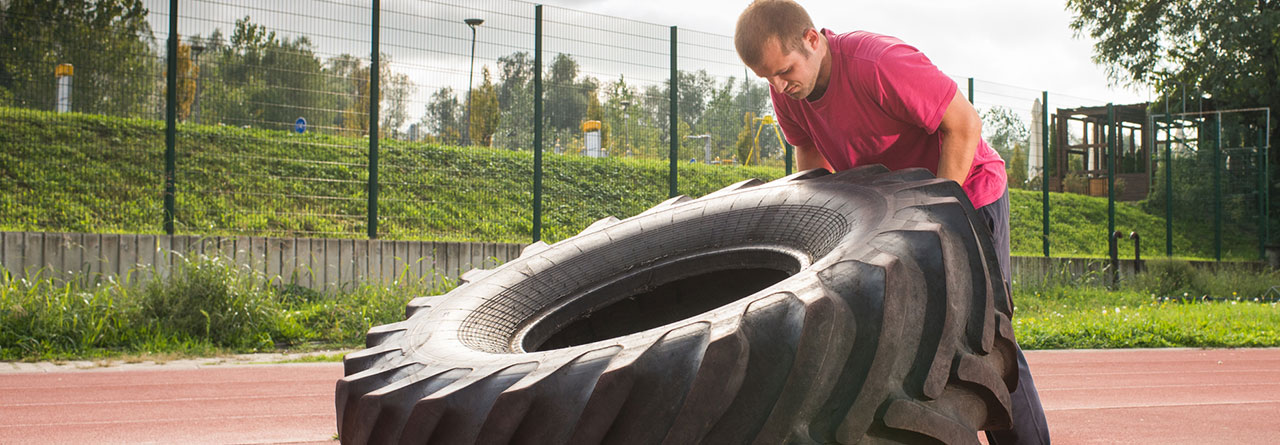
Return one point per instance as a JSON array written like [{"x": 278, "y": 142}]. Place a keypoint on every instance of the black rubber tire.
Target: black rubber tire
[{"x": 863, "y": 306}]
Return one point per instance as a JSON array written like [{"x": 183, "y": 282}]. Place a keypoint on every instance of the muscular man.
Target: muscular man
[{"x": 845, "y": 100}]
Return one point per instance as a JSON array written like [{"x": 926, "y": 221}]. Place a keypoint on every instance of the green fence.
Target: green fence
[{"x": 499, "y": 120}]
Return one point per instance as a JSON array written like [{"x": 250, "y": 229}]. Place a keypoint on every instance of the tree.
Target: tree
[
  {"x": 721, "y": 120},
  {"x": 746, "y": 138},
  {"x": 515, "y": 70},
  {"x": 1009, "y": 135},
  {"x": 394, "y": 94},
  {"x": 259, "y": 79},
  {"x": 107, "y": 41},
  {"x": 515, "y": 102},
  {"x": 484, "y": 110},
  {"x": 1225, "y": 51},
  {"x": 349, "y": 78},
  {"x": 188, "y": 75},
  {"x": 444, "y": 116},
  {"x": 565, "y": 100}
]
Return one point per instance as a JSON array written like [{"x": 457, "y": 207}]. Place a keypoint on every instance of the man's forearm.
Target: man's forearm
[
  {"x": 961, "y": 130},
  {"x": 957, "y": 155}
]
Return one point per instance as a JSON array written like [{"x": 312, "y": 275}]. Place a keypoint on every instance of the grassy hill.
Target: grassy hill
[{"x": 87, "y": 173}]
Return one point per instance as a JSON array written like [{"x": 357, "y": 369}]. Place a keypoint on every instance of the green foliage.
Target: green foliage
[
  {"x": 1009, "y": 135},
  {"x": 210, "y": 306},
  {"x": 206, "y": 306},
  {"x": 1199, "y": 54},
  {"x": 1172, "y": 304},
  {"x": 444, "y": 118},
  {"x": 109, "y": 43},
  {"x": 233, "y": 181},
  {"x": 212, "y": 299},
  {"x": 484, "y": 111},
  {"x": 1153, "y": 325},
  {"x": 259, "y": 79},
  {"x": 1227, "y": 49},
  {"x": 1078, "y": 227}
]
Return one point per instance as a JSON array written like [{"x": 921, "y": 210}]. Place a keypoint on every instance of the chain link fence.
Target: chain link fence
[{"x": 498, "y": 120}]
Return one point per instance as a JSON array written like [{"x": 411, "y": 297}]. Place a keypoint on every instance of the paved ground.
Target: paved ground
[{"x": 1167, "y": 396}]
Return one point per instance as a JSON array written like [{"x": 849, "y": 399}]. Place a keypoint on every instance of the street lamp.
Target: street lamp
[
  {"x": 196, "y": 49},
  {"x": 471, "y": 23}
]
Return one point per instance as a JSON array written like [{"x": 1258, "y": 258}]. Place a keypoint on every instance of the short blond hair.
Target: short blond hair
[{"x": 785, "y": 20}]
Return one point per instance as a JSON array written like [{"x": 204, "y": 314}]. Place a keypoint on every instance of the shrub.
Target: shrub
[
  {"x": 1165, "y": 277},
  {"x": 209, "y": 298}
]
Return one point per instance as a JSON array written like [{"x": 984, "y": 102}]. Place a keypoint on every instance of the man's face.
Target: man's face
[{"x": 794, "y": 73}]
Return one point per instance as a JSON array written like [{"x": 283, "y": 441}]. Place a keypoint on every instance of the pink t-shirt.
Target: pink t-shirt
[{"x": 883, "y": 105}]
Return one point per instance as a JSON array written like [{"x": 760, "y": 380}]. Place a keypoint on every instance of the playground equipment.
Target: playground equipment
[
  {"x": 706, "y": 148},
  {"x": 765, "y": 121}
]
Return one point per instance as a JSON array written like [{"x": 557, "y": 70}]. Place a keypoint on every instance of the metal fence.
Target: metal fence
[{"x": 475, "y": 121}]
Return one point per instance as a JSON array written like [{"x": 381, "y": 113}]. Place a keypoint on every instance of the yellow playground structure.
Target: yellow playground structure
[{"x": 764, "y": 121}]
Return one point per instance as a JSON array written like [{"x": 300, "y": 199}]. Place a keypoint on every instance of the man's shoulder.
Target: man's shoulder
[{"x": 864, "y": 45}]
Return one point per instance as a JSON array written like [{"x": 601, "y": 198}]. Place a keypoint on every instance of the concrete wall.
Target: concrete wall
[
  {"x": 326, "y": 263},
  {"x": 313, "y": 263}
]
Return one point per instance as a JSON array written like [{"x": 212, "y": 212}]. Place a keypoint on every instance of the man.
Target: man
[{"x": 845, "y": 100}]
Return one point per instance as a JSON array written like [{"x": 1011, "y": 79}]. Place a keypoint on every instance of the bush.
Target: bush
[
  {"x": 1178, "y": 279},
  {"x": 1165, "y": 277},
  {"x": 210, "y": 298}
]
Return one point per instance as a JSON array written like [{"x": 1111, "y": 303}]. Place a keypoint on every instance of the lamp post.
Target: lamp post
[
  {"x": 196, "y": 49},
  {"x": 471, "y": 23},
  {"x": 626, "y": 113}
]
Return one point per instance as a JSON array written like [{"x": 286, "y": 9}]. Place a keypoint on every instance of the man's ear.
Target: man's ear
[{"x": 812, "y": 37}]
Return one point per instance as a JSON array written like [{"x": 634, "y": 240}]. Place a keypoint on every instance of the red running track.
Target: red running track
[{"x": 1164, "y": 396}]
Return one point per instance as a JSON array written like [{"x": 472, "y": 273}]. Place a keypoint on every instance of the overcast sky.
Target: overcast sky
[
  {"x": 1013, "y": 48},
  {"x": 1022, "y": 43}
]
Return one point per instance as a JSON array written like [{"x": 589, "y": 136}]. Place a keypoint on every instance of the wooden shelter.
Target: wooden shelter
[{"x": 1081, "y": 151}]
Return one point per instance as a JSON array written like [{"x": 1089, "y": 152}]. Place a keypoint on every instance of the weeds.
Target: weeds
[
  {"x": 206, "y": 307},
  {"x": 1171, "y": 304}
]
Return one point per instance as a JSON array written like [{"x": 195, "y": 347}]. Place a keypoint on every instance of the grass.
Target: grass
[
  {"x": 209, "y": 308},
  {"x": 206, "y": 308},
  {"x": 1171, "y": 305},
  {"x": 86, "y": 173}
]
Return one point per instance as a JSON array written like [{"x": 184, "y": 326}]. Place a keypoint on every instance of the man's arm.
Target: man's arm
[
  {"x": 961, "y": 130},
  {"x": 808, "y": 158}
]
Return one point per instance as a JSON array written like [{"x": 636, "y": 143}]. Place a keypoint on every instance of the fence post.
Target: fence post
[
  {"x": 790, "y": 154},
  {"x": 537, "y": 123},
  {"x": 171, "y": 120},
  {"x": 1111, "y": 169},
  {"x": 1263, "y": 204},
  {"x": 374, "y": 69},
  {"x": 675, "y": 117},
  {"x": 1168, "y": 180},
  {"x": 1217, "y": 186},
  {"x": 1044, "y": 167}
]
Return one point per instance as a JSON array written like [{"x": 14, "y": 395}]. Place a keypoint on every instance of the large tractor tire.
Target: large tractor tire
[{"x": 859, "y": 307}]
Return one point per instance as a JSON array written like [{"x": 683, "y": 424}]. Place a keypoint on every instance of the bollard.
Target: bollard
[
  {"x": 1137, "y": 252},
  {"x": 63, "y": 74}
]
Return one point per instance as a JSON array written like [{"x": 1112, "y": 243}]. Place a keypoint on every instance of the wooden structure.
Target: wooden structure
[{"x": 1081, "y": 134}]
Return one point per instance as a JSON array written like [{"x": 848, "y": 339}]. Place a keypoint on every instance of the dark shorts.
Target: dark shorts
[{"x": 1029, "y": 426}]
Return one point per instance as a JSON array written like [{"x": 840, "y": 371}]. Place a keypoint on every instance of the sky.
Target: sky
[
  {"x": 1019, "y": 44},
  {"x": 1013, "y": 48}
]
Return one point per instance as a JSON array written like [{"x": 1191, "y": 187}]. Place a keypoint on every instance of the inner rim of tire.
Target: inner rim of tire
[
  {"x": 533, "y": 288},
  {"x": 661, "y": 293}
]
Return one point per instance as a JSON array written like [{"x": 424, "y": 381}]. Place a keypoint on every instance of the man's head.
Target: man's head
[{"x": 777, "y": 40}]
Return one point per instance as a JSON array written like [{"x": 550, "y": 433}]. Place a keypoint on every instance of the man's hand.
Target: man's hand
[
  {"x": 961, "y": 130},
  {"x": 808, "y": 158}
]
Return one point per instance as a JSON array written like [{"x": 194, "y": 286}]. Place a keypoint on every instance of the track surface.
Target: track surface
[{"x": 1166, "y": 396}]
